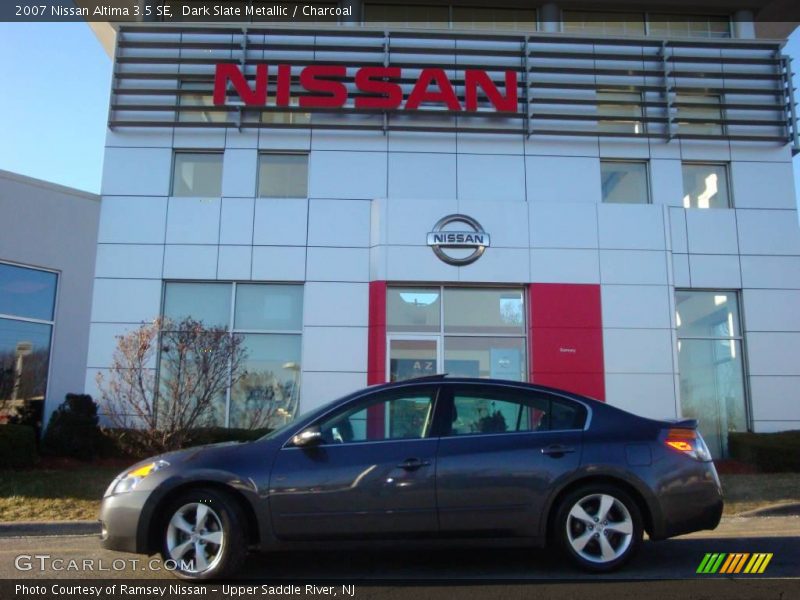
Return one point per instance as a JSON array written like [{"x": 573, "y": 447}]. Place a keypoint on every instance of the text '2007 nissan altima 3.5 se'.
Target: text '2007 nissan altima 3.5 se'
[{"x": 428, "y": 459}]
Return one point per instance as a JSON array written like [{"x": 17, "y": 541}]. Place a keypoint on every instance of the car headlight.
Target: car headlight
[{"x": 131, "y": 479}]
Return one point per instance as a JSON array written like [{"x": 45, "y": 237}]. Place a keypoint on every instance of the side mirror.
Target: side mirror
[{"x": 310, "y": 436}]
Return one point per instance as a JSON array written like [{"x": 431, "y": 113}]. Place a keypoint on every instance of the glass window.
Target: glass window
[
  {"x": 483, "y": 311},
  {"x": 27, "y": 306},
  {"x": 624, "y": 182},
  {"x": 698, "y": 26},
  {"x": 269, "y": 307},
  {"x": 24, "y": 357},
  {"x": 607, "y": 23},
  {"x": 481, "y": 410},
  {"x": 710, "y": 364},
  {"x": 407, "y": 15},
  {"x": 705, "y": 186},
  {"x": 406, "y": 414},
  {"x": 286, "y": 117},
  {"x": 701, "y": 107},
  {"x": 197, "y": 174},
  {"x": 283, "y": 175},
  {"x": 209, "y": 303},
  {"x": 28, "y": 293},
  {"x": 494, "y": 19},
  {"x": 481, "y": 356},
  {"x": 202, "y": 97},
  {"x": 267, "y": 394},
  {"x": 413, "y": 309},
  {"x": 625, "y": 105}
]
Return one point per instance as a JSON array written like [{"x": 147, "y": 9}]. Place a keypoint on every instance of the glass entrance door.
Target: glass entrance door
[{"x": 413, "y": 356}]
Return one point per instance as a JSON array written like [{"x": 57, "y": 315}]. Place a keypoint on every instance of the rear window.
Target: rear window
[{"x": 566, "y": 415}]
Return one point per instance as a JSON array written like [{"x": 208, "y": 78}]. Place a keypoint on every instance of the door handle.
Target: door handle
[
  {"x": 557, "y": 450},
  {"x": 412, "y": 464}
]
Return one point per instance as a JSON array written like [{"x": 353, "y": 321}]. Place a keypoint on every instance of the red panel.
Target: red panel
[
  {"x": 376, "y": 343},
  {"x": 565, "y": 305},
  {"x": 562, "y": 350},
  {"x": 588, "y": 384},
  {"x": 566, "y": 337}
]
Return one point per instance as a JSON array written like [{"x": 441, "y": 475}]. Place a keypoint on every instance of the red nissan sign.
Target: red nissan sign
[{"x": 381, "y": 83}]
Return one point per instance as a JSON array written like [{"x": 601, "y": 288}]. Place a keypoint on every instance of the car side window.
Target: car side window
[
  {"x": 566, "y": 415},
  {"x": 480, "y": 411},
  {"x": 401, "y": 414}
]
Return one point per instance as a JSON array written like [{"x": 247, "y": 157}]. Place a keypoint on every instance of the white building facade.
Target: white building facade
[{"x": 637, "y": 231}]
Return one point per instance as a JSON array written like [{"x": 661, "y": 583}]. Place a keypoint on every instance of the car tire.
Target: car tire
[
  {"x": 203, "y": 532},
  {"x": 599, "y": 527}
]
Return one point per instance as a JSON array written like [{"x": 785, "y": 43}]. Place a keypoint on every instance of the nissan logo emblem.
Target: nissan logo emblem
[{"x": 459, "y": 239}]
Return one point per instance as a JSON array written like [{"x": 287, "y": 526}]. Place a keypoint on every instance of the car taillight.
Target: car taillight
[{"x": 688, "y": 441}]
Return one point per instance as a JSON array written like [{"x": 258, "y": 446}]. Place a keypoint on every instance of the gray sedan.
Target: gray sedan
[{"x": 427, "y": 461}]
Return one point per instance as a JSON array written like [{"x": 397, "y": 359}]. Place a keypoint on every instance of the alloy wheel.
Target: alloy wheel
[
  {"x": 195, "y": 538},
  {"x": 599, "y": 528}
]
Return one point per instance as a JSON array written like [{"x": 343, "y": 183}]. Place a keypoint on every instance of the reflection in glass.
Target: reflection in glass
[
  {"x": 197, "y": 174},
  {"x": 24, "y": 356},
  {"x": 483, "y": 311},
  {"x": 610, "y": 104},
  {"x": 495, "y": 357},
  {"x": 413, "y": 309},
  {"x": 712, "y": 389},
  {"x": 283, "y": 175},
  {"x": 411, "y": 358},
  {"x": 269, "y": 307},
  {"x": 27, "y": 293},
  {"x": 209, "y": 303},
  {"x": 268, "y": 393},
  {"x": 202, "y": 97},
  {"x": 710, "y": 364},
  {"x": 624, "y": 182},
  {"x": 699, "y": 106},
  {"x": 705, "y": 186}
]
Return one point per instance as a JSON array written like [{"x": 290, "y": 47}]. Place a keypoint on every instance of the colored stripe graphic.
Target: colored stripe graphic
[
  {"x": 732, "y": 564},
  {"x": 758, "y": 563},
  {"x": 711, "y": 563}
]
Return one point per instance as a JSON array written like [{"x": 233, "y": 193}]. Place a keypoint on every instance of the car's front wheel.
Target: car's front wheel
[
  {"x": 203, "y": 535},
  {"x": 599, "y": 527}
]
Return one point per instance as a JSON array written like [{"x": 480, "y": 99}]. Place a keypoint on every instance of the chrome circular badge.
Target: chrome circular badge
[{"x": 458, "y": 240}]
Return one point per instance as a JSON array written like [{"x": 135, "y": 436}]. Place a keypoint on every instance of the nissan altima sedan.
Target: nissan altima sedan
[{"x": 431, "y": 460}]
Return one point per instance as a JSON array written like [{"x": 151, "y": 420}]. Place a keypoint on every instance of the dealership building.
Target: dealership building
[{"x": 593, "y": 200}]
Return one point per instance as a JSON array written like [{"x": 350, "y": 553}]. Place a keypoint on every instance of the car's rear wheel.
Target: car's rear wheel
[
  {"x": 203, "y": 535},
  {"x": 599, "y": 527}
]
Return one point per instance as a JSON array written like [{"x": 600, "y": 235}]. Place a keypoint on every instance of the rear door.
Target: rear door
[{"x": 502, "y": 448}]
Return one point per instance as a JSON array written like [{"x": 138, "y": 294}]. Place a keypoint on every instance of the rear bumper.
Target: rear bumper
[{"x": 690, "y": 501}]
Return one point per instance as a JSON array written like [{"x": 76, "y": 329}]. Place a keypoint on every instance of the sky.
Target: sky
[{"x": 53, "y": 124}]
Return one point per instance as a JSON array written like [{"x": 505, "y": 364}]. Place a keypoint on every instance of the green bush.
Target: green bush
[
  {"x": 17, "y": 446},
  {"x": 73, "y": 430},
  {"x": 770, "y": 452}
]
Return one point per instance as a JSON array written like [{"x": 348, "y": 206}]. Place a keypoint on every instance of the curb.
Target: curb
[
  {"x": 48, "y": 528},
  {"x": 787, "y": 509}
]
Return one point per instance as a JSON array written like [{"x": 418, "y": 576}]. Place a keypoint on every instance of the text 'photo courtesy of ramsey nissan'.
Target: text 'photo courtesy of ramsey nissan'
[{"x": 388, "y": 299}]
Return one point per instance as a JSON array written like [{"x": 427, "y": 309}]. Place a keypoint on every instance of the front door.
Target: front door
[
  {"x": 373, "y": 475},
  {"x": 502, "y": 449}
]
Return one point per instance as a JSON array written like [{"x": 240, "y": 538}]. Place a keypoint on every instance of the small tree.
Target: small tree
[{"x": 196, "y": 366}]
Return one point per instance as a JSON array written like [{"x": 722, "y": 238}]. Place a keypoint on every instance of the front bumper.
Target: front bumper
[{"x": 120, "y": 517}]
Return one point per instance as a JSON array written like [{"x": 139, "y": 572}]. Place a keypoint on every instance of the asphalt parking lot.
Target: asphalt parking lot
[{"x": 502, "y": 572}]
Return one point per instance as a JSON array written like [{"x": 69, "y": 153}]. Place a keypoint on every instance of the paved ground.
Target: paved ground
[{"x": 676, "y": 558}]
